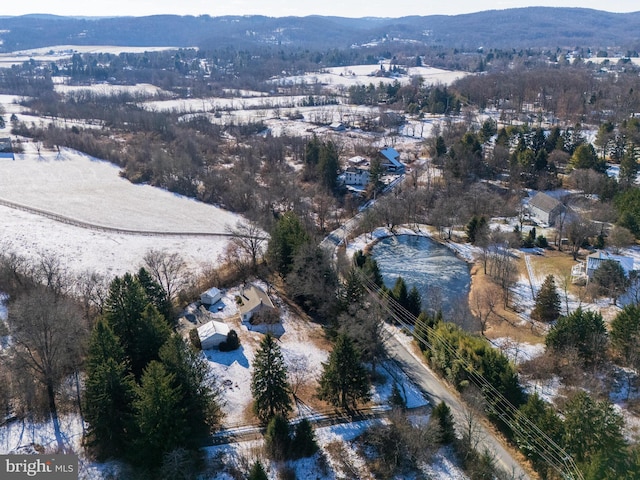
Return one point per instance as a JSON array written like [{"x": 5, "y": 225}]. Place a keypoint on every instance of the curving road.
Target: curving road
[{"x": 436, "y": 391}]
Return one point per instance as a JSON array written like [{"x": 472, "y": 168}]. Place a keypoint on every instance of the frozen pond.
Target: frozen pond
[{"x": 441, "y": 278}]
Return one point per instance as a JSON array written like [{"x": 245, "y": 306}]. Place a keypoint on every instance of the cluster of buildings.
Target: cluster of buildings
[
  {"x": 356, "y": 175},
  {"x": 250, "y": 301}
]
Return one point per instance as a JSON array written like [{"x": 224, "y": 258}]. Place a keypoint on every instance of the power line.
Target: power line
[{"x": 538, "y": 441}]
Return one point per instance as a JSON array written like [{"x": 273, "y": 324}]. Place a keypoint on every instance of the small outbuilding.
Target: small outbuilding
[
  {"x": 212, "y": 334},
  {"x": 211, "y": 296}
]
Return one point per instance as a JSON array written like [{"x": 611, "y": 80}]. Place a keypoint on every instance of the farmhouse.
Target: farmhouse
[
  {"x": 545, "y": 208},
  {"x": 211, "y": 296},
  {"x": 212, "y": 334},
  {"x": 356, "y": 176},
  {"x": 391, "y": 160},
  {"x": 251, "y": 301}
]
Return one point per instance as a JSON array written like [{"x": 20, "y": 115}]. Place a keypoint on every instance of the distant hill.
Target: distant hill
[{"x": 519, "y": 28}]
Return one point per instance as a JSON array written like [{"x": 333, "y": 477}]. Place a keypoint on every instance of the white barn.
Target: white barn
[{"x": 212, "y": 334}]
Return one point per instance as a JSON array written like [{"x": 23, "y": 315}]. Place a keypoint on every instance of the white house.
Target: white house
[
  {"x": 211, "y": 296},
  {"x": 253, "y": 300},
  {"x": 356, "y": 176},
  {"x": 212, "y": 334},
  {"x": 595, "y": 260},
  {"x": 584, "y": 271}
]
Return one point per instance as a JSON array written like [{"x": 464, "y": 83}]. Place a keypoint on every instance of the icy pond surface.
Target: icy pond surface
[{"x": 441, "y": 278}]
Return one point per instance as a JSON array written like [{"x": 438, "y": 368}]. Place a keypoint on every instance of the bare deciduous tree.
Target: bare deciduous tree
[
  {"x": 250, "y": 239},
  {"x": 168, "y": 269},
  {"x": 484, "y": 304},
  {"x": 49, "y": 337},
  {"x": 297, "y": 372}
]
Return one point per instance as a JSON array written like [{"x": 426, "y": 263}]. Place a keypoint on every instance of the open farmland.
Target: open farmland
[{"x": 88, "y": 190}]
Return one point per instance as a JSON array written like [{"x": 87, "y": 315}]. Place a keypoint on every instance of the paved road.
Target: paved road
[{"x": 437, "y": 391}]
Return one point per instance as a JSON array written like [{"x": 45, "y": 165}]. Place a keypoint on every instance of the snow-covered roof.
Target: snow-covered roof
[
  {"x": 212, "y": 328},
  {"x": 595, "y": 259},
  {"x": 392, "y": 155}
]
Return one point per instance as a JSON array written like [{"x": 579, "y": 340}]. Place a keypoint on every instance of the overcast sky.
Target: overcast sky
[{"x": 281, "y": 8}]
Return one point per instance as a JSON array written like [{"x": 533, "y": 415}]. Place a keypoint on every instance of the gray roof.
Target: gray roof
[{"x": 544, "y": 202}]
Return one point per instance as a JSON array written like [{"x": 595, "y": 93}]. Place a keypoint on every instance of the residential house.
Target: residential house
[
  {"x": 356, "y": 176},
  {"x": 252, "y": 300},
  {"x": 583, "y": 271},
  {"x": 595, "y": 260},
  {"x": 545, "y": 209},
  {"x": 211, "y": 296},
  {"x": 212, "y": 334},
  {"x": 391, "y": 160}
]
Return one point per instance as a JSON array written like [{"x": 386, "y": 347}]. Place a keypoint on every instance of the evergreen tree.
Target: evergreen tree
[
  {"x": 444, "y": 418},
  {"x": 161, "y": 424},
  {"x": 155, "y": 294},
  {"x": 372, "y": 271},
  {"x": 344, "y": 381},
  {"x": 414, "y": 301},
  {"x": 582, "y": 330},
  {"x": 547, "y": 307},
  {"x": 543, "y": 416},
  {"x": 593, "y": 434},
  {"x": 610, "y": 279},
  {"x": 141, "y": 329},
  {"x": 399, "y": 292},
  {"x": 109, "y": 393},
  {"x": 312, "y": 157},
  {"x": 269, "y": 386},
  {"x": 625, "y": 334},
  {"x": 276, "y": 438},
  {"x": 441, "y": 146},
  {"x": 353, "y": 290},
  {"x": 328, "y": 166},
  {"x": 257, "y": 472},
  {"x": 198, "y": 397},
  {"x": 304, "y": 440},
  {"x": 629, "y": 167},
  {"x": 287, "y": 237}
]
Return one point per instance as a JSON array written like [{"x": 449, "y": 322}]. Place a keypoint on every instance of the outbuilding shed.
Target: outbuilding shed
[
  {"x": 212, "y": 334},
  {"x": 211, "y": 296}
]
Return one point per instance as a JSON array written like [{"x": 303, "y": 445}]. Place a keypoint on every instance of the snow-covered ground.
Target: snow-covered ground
[
  {"x": 337, "y": 439},
  {"x": 341, "y": 78},
  {"x": 83, "y": 188},
  {"x": 106, "y": 89},
  {"x": 303, "y": 348},
  {"x": 61, "y": 52}
]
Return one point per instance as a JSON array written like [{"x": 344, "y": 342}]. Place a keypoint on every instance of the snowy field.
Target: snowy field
[
  {"x": 62, "y": 52},
  {"x": 90, "y": 190},
  {"x": 341, "y": 78},
  {"x": 106, "y": 89},
  {"x": 83, "y": 188}
]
